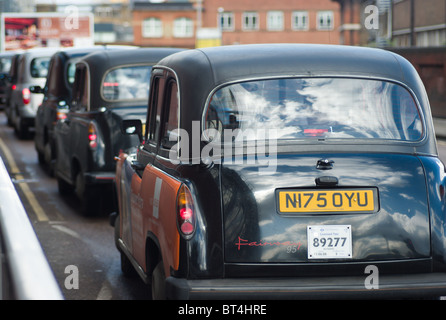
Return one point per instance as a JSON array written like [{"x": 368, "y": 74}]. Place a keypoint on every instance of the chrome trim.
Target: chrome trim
[
  {"x": 138, "y": 268},
  {"x": 178, "y": 97},
  {"x": 89, "y": 82}
]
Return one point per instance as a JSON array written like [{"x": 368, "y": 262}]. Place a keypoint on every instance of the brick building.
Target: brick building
[
  {"x": 175, "y": 23},
  {"x": 350, "y": 22},
  {"x": 272, "y": 21},
  {"x": 164, "y": 24},
  {"x": 353, "y": 29},
  {"x": 419, "y": 23}
]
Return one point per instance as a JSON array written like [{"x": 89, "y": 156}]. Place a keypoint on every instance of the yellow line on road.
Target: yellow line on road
[{"x": 40, "y": 213}]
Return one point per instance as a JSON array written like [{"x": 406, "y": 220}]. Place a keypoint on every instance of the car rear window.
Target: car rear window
[
  {"x": 315, "y": 108},
  {"x": 39, "y": 67},
  {"x": 5, "y": 64},
  {"x": 127, "y": 83}
]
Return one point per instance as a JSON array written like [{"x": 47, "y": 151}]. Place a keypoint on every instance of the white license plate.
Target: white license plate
[{"x": 329, "y": 242}]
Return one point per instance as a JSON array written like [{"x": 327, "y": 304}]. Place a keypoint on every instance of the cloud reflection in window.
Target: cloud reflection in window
[{"x": 328, "y": 108}]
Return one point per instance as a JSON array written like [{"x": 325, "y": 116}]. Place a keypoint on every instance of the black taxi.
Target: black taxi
[
  {"x": 57, "y": 95},
  {"x": 109, "y": 86},
  {"x": 284, "y": 171}
]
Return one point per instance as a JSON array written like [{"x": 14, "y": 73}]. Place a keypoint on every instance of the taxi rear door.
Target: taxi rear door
[{"x": 154, "y": 191}]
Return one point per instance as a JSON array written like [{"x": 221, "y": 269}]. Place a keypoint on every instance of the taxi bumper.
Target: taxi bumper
[{"x": 389, "y": 287}]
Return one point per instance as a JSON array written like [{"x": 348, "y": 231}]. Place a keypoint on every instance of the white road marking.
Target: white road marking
[
  {"x": 105, "y": 293},
  {"x": 67, "y": 231}
]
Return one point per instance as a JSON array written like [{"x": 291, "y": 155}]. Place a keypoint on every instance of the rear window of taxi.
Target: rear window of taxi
[
  {"x": 126, "y": 83},
  {"x": 315, "y": 108},
  {"x": 39, "y": 67}
]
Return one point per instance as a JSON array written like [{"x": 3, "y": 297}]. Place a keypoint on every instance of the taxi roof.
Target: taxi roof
[
  {"x": 102, "y": 60},
  {"x": 200, "y": 71},
  {"x": 229, "y": 63}
]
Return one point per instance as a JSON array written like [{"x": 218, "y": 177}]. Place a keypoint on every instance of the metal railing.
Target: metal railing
[{"x": 25, "y": 272}]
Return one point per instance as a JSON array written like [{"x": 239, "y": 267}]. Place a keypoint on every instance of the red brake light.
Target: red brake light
[
  {"x": 315, "y": 132},
  {"x": 186, "y": 213},
  {"x": 14, "y": 87},
  {"x": 111, "y": 84},
  {"x": 26, "y": 94},
  {"x": 92, "y": 136}
]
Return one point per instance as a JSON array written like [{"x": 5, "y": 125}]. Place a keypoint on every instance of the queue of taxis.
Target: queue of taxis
[
  {"x": 109, "y": 86},
  {"x": 278, "y": 171},
  {"x": 57, "y": 95},
  {"x": 282, "y": 172},
  {"x": 74, "y": 100}
]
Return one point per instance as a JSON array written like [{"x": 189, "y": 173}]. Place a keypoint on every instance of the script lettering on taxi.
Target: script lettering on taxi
[{"x": 242, "y": 242}]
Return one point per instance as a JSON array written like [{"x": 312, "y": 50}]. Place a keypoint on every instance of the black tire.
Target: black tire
[
  {"x": 9, "y": 121},
  {"x": 21, "y": 130},
  {"x": 41, "y": 158},
  {"x": 127, "y": 268},
  {"x": 88, "y": 195},
  {"x": 158, "y": 282},
  {"x": 64, "y": 187},
  {"x": 48, "y": 158}
]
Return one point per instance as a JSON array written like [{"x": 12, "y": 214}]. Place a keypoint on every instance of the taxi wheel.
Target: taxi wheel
[
  {"x": 127, "y": 268},
  {"x": 88, "y": 195},
  {"x": 79, "y": 185},
  {"x": 64, "y": 187},
  {"x": 158, "y": 282},
  {"x": 9, "y": 122},
  {"x": 21, "y": 130},
  {"x": 41, "y": 158},
  {"x": 48, "y": 158}
]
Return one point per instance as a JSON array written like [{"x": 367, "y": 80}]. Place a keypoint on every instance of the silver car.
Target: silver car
[{"x": 32, "y": 70}]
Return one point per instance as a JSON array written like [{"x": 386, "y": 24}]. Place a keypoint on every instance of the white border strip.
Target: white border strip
[{"x": 31, "y": 275}]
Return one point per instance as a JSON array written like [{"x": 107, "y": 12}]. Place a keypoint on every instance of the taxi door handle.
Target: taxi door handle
[{"x": 136, "y": 165}]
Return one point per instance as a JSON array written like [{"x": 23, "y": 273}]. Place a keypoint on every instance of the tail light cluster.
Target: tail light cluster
[
  {"x": 92, "y": 136},
  {"x": 62, "y": 110},
  {"x": 61, "y": 115},
  {"x": 26, "y": 95},
  {"x": 185, "y": 212}
]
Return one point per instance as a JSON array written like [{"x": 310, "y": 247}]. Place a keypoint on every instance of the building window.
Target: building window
[
  {"x": 299, "y": 20},
  {"x": 104, "y": 12},
  {"x": 325, "y": 20},
  {"x": 275, "y": 20},
  {"x": 226, "y": 21},
  {"x": 152, "y": 28},
  {"x": 250, "y": 21},
  {"x": 183, "y": 28}
]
